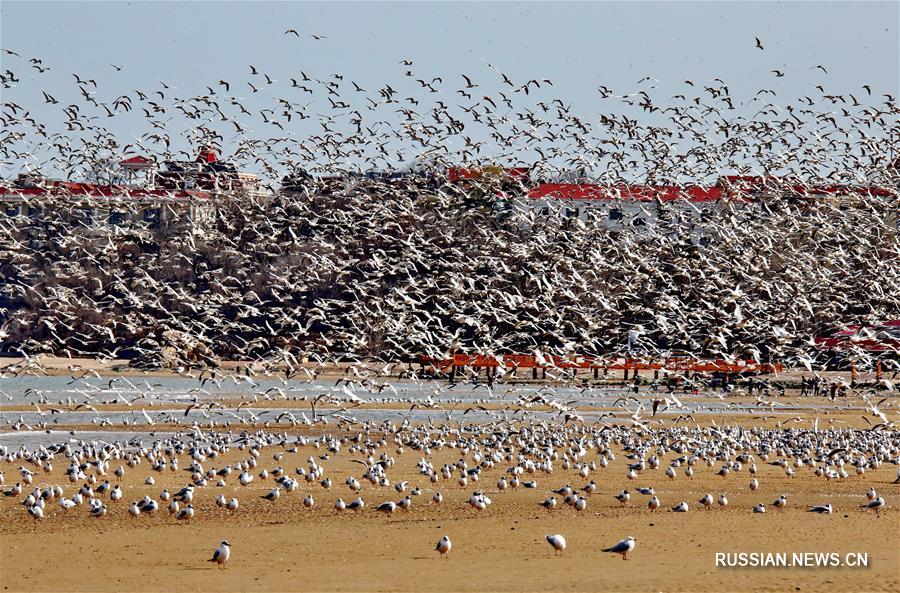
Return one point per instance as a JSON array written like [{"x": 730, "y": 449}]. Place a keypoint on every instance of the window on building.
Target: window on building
[
  {"x": 34, "y": 211},
  {"x": 615, "y": 214},
  {"x": 639, "y": 222},
  {"x": 571, "y": 212},
  {"x": 12, "y": 210}
]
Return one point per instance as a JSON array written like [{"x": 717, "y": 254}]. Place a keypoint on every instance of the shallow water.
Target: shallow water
[{"x": 49, "y": 391}]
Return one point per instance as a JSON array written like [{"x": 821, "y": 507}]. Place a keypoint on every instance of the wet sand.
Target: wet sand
[{"x": 284, "y": 547}]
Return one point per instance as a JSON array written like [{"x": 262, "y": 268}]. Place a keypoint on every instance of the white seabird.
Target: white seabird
[
  {"x": 222, "y": 554},
  {"x": 558, "y": 542},
  {"x": 186, "y": 514},
  {"x": 623, "y": 547},
  {"x": 876, "y": 504},
  {"x": 823, "y": 509},
  {"x": 443, "y": 546}
]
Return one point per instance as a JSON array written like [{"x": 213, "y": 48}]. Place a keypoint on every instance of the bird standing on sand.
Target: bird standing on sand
[
  {"x": 186, "y": 514},
  {"x": 876, "y": 504},
  {"x": 558, "y": 542},
  {"x": 780, "y": 502},
  {"x": 443, "y": 546},
  {"x": 222, "y": 554},
  {"x": 623, "y": 547}
]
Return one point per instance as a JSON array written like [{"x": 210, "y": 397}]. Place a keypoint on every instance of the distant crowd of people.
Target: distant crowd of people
[
  {"x": 812, "y": 387},
  {"x": 816, "y": 386}
]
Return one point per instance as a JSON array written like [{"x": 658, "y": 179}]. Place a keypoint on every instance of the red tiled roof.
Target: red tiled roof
[
  {"x": 136, "y": 160},
  {"x": 633, "y": 193},
  {"x": 68, "y": 188}
]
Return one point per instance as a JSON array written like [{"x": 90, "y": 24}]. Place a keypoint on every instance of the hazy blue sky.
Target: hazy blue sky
[{"x": 578, "y": 45}]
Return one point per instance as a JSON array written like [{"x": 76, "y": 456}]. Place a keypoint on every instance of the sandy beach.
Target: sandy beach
[{"x": 283, "y": 546}]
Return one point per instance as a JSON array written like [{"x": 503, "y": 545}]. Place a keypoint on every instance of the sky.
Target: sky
[{"x": 578, "y": 45}]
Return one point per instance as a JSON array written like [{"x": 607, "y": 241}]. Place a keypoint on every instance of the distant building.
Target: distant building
[
  {"x": 638, "y": 207},
  {"x": 650, "y": 206},
  {"x": 181, "y": 196}
]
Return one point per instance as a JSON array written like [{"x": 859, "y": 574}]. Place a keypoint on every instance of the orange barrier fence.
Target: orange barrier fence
[{"x": 529, "y": 361}]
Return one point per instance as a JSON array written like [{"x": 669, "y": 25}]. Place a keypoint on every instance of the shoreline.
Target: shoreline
[{"x": 55, "y": 366}]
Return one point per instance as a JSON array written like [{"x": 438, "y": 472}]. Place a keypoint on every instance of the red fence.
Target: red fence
[{"x": 529, "y": 361}]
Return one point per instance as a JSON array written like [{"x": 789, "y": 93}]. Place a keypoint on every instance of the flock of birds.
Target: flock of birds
[
  {"x": 521, "y": 454},
  {"x": 397, "y": 268},
  {"x": 389, "y": 269}
]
